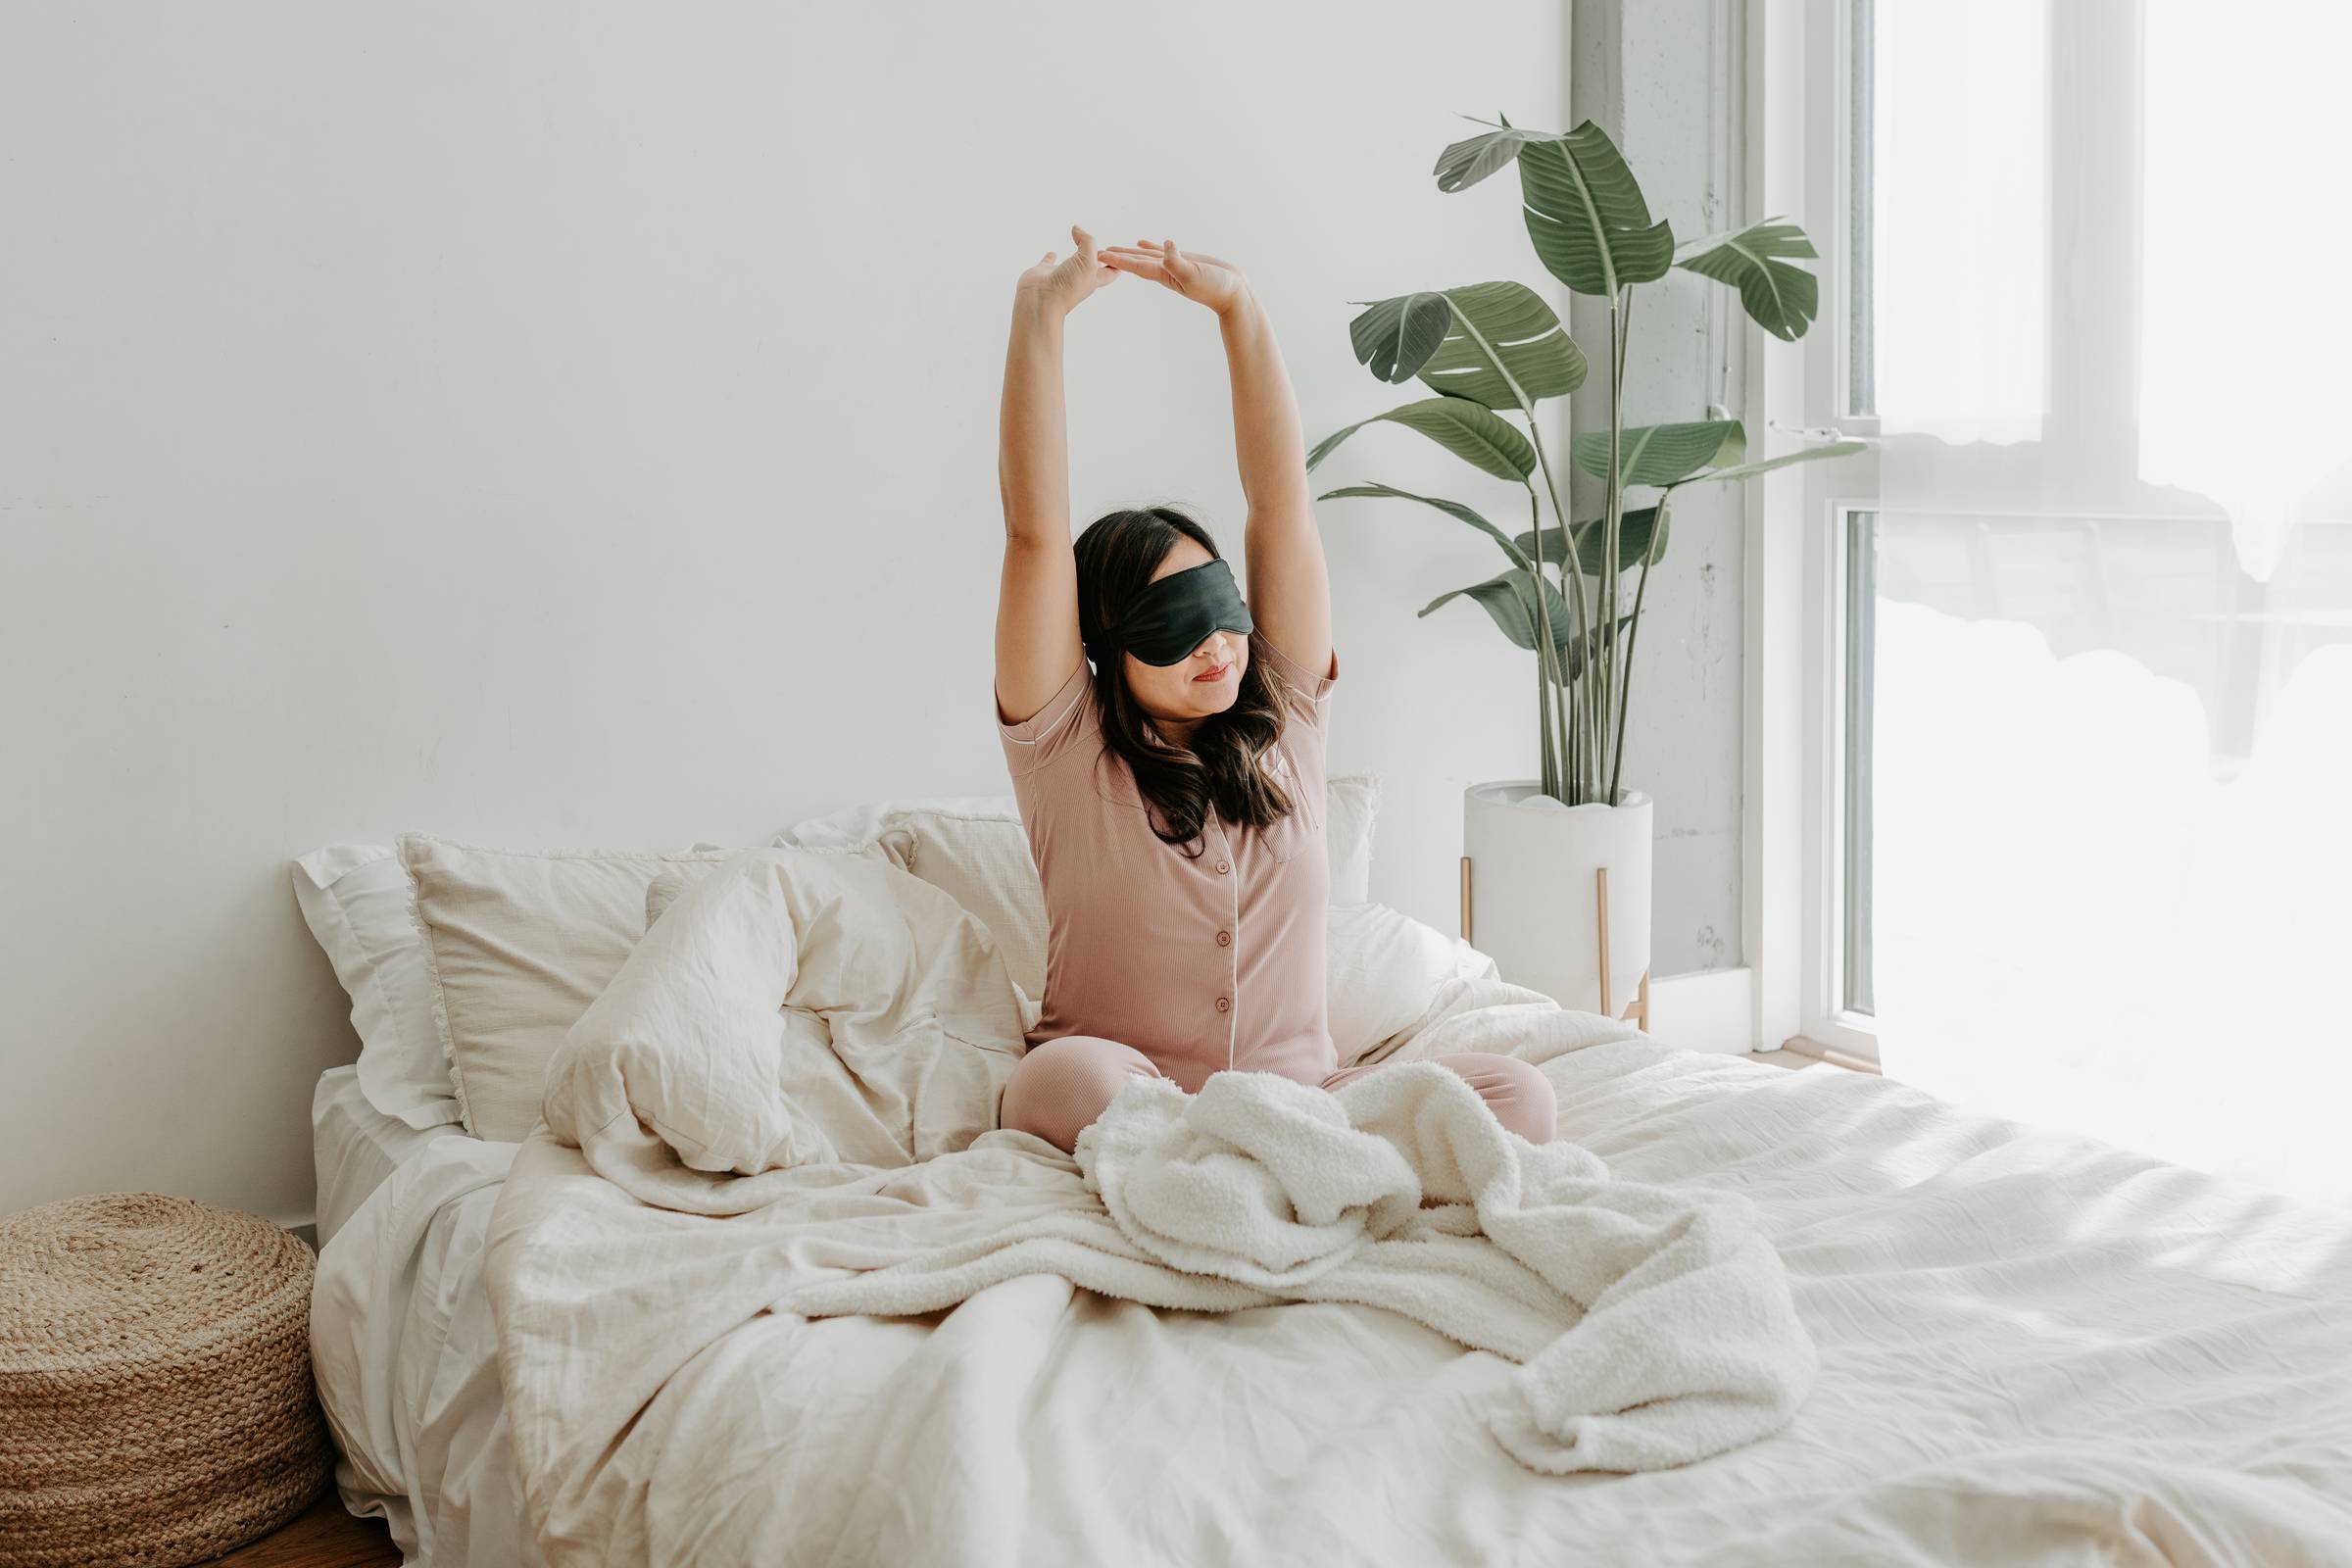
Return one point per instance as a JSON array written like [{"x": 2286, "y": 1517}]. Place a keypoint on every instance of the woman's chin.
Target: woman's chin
[{"x": 1215, "y": 696}]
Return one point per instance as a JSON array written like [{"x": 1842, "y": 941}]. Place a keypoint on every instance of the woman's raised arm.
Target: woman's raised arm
[
  {"x": 1290, "y": 593},
  {"x": 1037, "y": 598}
]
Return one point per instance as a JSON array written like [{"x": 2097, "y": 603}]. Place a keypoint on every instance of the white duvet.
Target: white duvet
[{"x": 2032, "y": 1348}]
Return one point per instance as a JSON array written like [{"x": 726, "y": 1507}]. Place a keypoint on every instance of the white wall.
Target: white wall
[{"x": 574, "y": 424}]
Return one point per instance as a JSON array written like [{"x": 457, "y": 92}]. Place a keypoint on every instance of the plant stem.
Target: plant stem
[
  {"x": 1547, "y": 678},
  {"x": 1560, "y": 692},
  {"x": 1550, "y": 764},
  {"x": 1547, "y": 671},
  {"x": 1576, "y": 750},
  {"x": 1572, "y": 585},
  {"x": 1624, "y": 684},
  {"x": 1621, "y": 312}
]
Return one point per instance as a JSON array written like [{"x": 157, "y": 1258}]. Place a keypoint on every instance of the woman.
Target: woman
[{"x": 1174, "y": 796}]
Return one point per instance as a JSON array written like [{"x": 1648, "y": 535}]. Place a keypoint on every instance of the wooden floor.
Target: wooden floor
[{"x": 324, "y": 1537}]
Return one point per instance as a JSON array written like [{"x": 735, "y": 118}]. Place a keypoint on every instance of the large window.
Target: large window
[{"x": 2088, "y": 837}]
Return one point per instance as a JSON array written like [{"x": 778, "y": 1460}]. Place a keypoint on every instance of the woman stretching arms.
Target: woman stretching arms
[{"x": 1173, "y": 794}]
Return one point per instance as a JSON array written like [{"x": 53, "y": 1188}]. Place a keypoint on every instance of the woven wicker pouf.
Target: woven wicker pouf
[{"x": 156, "y": 1405}]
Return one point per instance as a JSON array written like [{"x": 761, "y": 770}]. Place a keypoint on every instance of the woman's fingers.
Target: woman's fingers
[
  {"x": 1168, "y": 264},
  {"x": 1172, "y": 263},
  {"x": 1157, "y": 250}
]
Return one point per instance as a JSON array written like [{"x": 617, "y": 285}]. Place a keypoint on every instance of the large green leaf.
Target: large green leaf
[
  {"x": 1475, "y": 434},
  {"x": 1509, "y": 322},
  {"x": 1663, "y": 454},
  {"x": 1783, "y": 298},
  {"x": 1637, "y": 534},
  {"x": 1585, "y": 215},
  {"x": 1466, "y": 163},
  {"x": 1747, "y": 470},
  {"x": 1509, "y": 598},
  {"x": 1394, "y": 338},
  {"x": 1452, "y": 508}
]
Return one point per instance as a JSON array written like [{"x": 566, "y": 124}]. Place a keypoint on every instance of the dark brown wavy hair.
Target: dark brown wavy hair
[{"x": 1221, "y": 767}]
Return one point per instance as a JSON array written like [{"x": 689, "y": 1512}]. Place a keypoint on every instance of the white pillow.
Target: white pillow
[
  {"x": 361, "y": 907},
  {"x": 1385, "y": 969},
  {"x": 854, "y": 827},
  {"x": 972, "y": 848},
  {"x": 1353, "y": 807},
  {"x": 517, "y": 942},
  {"x": 1385, "y": 966}
]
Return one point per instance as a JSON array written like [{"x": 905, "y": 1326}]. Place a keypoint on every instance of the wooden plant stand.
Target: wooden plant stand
[{"x": 1638, "y": 1012}]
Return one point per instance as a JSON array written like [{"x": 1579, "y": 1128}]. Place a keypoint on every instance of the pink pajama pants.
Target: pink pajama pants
[{"x": 1062, "y": 1084}]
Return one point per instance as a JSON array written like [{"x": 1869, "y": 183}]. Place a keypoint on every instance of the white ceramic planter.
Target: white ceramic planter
[{"x": 1532, "y": 904}]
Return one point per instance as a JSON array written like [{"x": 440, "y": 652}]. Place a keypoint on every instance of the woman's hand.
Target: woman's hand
[
  {"x": 1202, "y": 280},
  {"x": 1062, "y": 286}
]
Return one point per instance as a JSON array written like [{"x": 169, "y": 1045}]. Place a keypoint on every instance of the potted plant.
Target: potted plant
[{"x": 1557, "y": 869}]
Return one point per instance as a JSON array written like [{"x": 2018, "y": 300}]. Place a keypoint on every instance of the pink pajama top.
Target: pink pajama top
[{"x": 1202, "y": 964}]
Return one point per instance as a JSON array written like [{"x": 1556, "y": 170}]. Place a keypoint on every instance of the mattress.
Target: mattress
[{"x": 355, "y": 1147}]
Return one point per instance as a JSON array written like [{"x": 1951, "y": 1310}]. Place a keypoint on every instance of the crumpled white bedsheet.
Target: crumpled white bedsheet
[{"x": 2035, "y": 1350}]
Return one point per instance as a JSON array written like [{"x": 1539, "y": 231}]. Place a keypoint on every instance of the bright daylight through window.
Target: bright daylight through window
[{"x": 2097, "y": 687}]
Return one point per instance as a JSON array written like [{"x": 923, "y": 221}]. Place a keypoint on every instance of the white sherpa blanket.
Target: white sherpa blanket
[
  {"x": 787, "y": 1101},
  {"x": 1655, "y": 1327}
]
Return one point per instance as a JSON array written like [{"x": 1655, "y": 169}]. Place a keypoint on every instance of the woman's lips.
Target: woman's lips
[{"x": 1218, "y": 673}]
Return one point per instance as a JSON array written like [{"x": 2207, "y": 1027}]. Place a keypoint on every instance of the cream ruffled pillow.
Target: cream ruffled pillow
[{"x": 517, "y": 942}]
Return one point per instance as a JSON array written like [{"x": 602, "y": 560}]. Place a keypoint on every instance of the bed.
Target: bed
[{"x": 2033, "y": 1349}]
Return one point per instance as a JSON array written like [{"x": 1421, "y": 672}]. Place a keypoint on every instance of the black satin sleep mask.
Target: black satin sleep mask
[{"x": 1176, "y": 615}]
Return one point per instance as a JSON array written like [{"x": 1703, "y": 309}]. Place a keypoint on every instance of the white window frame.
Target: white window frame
[{"x": 1798, "y": 149}]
